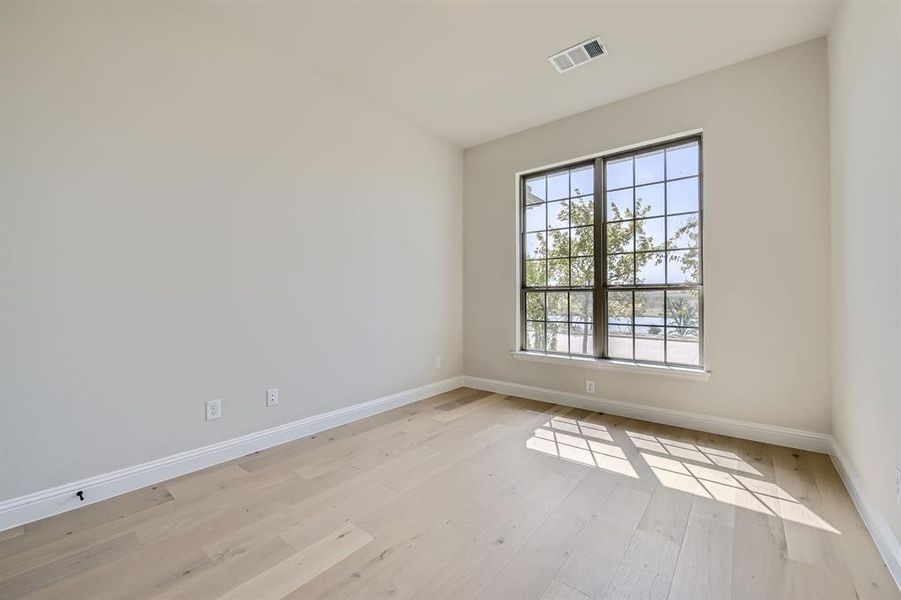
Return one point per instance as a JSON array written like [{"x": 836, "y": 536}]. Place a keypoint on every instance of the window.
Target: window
[{"x": 611, "y": 257}]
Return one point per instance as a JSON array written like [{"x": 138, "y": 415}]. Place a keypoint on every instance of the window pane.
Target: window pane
[
  {"x": 580, "y": 307},
  {"x": 557, "y": 309},
  {"x": 619, "y": 341},
  {"x": 683, "y": 266},
  {"x": 535, "y": 218},
  {"x": 620, "y": 269},
  {"x": 536, "y": 273},
  {"x": 582, "y": 241},
  {"x": 683, "y": 308},
  {"x": 581, "y": 338},
  {"x": 649, "y": 343},
  {"x": 535, "y": 246},
  {"x": 619, "y": 205},
  {"x": 535, "y": 306},
  {"x": 620, "y": 237},
  {"x": 682, "y": 161},
  {"x": 649, "y": 167},
  {"x": 619, "y": 307},
  {"x": 583, "y": 271},
  {"x": 649, "y": 307},
  {"x": 559, "y": 239},
  {"x": 650, "y": 234},
  {"x": 619, "y": 173},
  {"x": 682, "y": 346},
  {"x": 558, "y": 272},
  {"x": 558, "y": 214},
  {"x": 581, "y": 181},
  {"x": 557, "y": 337},
  {"x": 534, "y": 336},
  {"x": 558, "y": 185},
  {"x": 535, "y": 190},
  {"x": 683, "y": 231},
  {"x": 651, "y": 267},
  {"x": 581, "y": 211},
  {"x": 649, "y": 201},
  {"x": 682, "y": 196}
]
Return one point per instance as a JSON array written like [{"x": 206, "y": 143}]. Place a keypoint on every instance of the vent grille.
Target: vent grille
[
  {"x": 593, "y": 48},
  {"x": 578, "y": 55},
  {"x": 562, "y": 62}
]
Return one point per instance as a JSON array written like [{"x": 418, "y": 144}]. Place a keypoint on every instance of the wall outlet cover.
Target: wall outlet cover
[
  {"x": 213, "y": 409},
  {"x": 898, "y": 485},
  {"x": 272, "y": 397}
]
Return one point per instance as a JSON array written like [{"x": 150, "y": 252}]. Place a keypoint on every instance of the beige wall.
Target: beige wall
[
  {"x": 187, "y": 215},
  {"x": 766, "y": 238},
  {"x": 865, "y": 68}
]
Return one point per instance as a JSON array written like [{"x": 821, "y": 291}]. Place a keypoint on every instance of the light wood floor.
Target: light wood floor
[{"x": 470, "y": 495}]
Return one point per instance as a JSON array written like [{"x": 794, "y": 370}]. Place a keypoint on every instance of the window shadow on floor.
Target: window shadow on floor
[{"x": 702, "y": 471}]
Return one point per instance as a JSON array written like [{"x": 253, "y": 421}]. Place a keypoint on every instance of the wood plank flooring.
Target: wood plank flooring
[{"x": 470, "y": 495}]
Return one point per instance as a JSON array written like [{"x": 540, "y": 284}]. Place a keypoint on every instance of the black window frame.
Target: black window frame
[{"x": 600, "y": 286}]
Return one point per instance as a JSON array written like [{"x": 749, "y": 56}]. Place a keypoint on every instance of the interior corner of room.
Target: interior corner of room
[{"x": 307, "y": 300}]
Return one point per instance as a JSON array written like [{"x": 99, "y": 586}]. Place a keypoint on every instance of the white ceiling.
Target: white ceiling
[{"x": 471, "y": 72}]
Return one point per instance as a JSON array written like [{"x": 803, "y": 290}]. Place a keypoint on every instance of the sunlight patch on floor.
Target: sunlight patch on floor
[
  {"x": 581, "y": 442},
  {"x": 706, "y": 472},
  {"x": 701, "y": 454},
  {"x": 579, "y": 427},
  {"x": 744, "y": 492}
]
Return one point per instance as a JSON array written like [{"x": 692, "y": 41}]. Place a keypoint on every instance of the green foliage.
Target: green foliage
[
  {"x": 552, "y": 330},
  {"x": 535, "y": 336},
  {"x": 535, "y": 306},
  {"x": 682, "y": 309},
  {"x": 558, "y": 245},
  {"x": 536, "y": 270},
  {"x": 690, "y": 260}
]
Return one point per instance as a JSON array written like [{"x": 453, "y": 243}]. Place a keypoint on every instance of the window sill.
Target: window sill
[{"x": 621, "y": 366}]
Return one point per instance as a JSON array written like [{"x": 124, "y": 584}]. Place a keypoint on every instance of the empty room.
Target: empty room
[{"x": 451, "y": 299}]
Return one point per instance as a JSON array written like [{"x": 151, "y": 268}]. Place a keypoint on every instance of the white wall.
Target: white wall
[
  {"x": 187, "y": 215},
  {"x": 766, "y": 238},
  {"x": 865, "y": 119}
]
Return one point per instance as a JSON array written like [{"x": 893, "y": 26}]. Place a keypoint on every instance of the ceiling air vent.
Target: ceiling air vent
[{"x": 578, "y": 55}]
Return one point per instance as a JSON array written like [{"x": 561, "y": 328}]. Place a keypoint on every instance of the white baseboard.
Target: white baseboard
[
  {"x": 758, "y": 432},
  {"x": 879, "y": 530},
  {"x": 46, "y": 503}
]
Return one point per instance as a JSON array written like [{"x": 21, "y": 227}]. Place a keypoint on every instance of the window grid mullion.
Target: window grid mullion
[
  {"x": 600, "y": 261},
  {"x": 665, "y": 244},
  {"x": 665, "y": 299},
  {"x": 634, "y": 248}
]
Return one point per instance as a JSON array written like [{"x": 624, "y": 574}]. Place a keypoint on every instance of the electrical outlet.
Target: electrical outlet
[
  {"x": 898, "y": 484},
  {"x": 437, "y": 361},
  {"x": 213, "y": 409},
  {"x": 589, "y": 386},
  {"x": 272, "y": 397}
]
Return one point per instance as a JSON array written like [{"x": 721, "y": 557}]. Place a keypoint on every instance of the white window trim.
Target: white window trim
[
  {"x": 591, "y": 362},
  {"x": 609, "y": 364}
]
